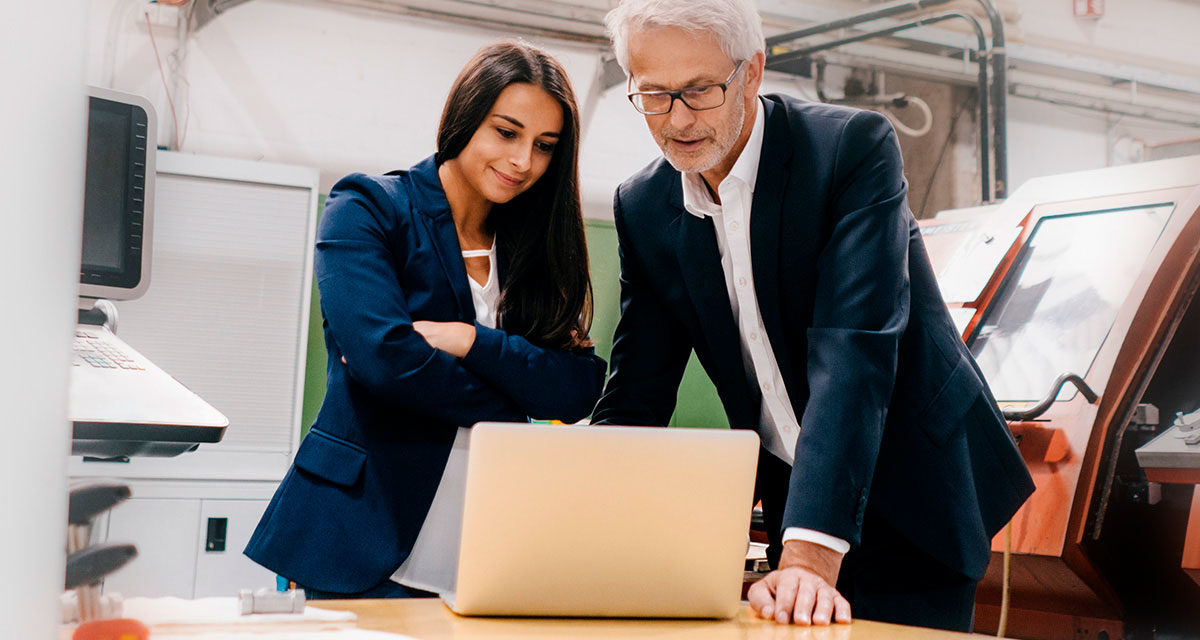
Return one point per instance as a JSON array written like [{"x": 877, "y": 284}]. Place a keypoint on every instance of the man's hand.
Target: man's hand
[
  {"x": 455, "y": 338},
  {"x": 801, "y": 590}
]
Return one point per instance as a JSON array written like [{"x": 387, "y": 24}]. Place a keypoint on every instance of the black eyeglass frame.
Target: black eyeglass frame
[{"x": 677, "y": 94}]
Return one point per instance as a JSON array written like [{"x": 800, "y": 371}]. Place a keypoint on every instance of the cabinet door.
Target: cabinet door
[
  {"x": 167, "y": 538},
  {"x": 223, "y": 573}
]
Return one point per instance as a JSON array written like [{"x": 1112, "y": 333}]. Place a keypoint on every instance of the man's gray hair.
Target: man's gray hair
[{"x": 735, "y": 24}]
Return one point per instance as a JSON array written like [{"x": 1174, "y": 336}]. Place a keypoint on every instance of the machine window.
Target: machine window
[{"x": 1062, "y": 296}]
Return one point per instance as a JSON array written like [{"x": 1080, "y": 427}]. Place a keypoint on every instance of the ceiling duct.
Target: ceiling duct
[{"x": 581, "y": 20}]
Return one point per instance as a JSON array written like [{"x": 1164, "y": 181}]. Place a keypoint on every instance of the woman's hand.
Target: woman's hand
[{"x": 455, "y": 338}]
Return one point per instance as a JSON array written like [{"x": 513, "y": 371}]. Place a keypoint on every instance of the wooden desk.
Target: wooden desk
[{"x": 429, "y": 619}]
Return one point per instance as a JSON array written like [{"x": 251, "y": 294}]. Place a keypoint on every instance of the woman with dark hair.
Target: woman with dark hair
[{"x": 454, "y": 292}]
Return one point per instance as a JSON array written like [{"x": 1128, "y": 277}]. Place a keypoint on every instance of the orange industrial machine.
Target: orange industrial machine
[{"x": 1083, "y": 279}]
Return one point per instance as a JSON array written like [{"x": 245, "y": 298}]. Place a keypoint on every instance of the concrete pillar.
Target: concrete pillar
[{"x": 43, "y": 128}]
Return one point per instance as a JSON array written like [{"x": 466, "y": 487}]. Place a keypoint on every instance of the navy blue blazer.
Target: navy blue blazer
[
  {"x": 348, "y": 511},
  {"x": 882, "y": 383}
]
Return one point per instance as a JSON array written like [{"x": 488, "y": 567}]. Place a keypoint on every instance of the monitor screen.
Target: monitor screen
[
  {"x": 118, "y": 196},
  {"x": 1061, "y": 297},
  {"x": 106, "y": 198}
]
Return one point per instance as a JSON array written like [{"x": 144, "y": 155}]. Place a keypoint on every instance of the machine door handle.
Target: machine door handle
[{"x": 1032, "y": 412}]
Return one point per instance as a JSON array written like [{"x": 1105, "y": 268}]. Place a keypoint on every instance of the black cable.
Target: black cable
[{"x": 942, "y": 154}]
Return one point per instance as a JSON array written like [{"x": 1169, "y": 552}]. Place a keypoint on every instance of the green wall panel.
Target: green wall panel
[{"x": 314, "y": 367}]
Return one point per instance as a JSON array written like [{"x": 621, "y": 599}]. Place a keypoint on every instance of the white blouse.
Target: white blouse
[{"x": 487, "y": 295}]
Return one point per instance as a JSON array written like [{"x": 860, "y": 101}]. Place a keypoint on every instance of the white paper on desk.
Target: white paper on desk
[
  {"x": 158, "y": 612},
  {"x": 968, "y": 271},
  {"x": 756, "y": 551},
  {"x": 337, "y": 634}
]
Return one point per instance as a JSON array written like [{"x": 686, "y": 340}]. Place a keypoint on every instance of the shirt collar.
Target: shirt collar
[{"x": 695, "y": 194}]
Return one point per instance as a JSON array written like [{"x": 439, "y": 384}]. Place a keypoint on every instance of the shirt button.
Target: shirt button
[
  {"x": 734, "y": 226},
  {"x": 766, "y": 386},
  {"x": 741, "y": 282},
  {"x": 753, "y": 335}
]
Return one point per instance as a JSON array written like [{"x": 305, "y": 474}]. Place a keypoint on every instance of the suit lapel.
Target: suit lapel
[
  {"x": 705, "y": 283},
  {"x": 446, "y": 245},
  {"x": 700, "y": 263},
  {"x": 766, "y": 218},
  {"x": 430, "y": 200}
]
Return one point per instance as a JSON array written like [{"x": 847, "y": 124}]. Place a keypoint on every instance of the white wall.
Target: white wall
[
  {"x": 306, "y": 82},
  {"x": 312, "y": 83},
  {"x": 1045, "y": 139},
  {"x": 1154, "y": 33},
  {"x": 616, "y": 144}
]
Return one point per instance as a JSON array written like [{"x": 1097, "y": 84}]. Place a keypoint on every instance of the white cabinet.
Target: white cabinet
[
  {"x": 167, "y": 534},
  {"x": 171, "y": 535}
]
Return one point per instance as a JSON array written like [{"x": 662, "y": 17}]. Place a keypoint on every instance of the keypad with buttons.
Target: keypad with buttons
[{"x": 92, "y": 350}]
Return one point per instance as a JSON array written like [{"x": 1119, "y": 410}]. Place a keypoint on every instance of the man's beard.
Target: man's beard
[{"x": 720, "y": 146}]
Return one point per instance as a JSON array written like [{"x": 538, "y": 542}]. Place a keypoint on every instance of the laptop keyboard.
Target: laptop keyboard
[{"x": 92, "y": 350}]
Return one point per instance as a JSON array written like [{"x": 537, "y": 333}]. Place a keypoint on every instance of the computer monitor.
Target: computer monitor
[{"x": 118, "y": 209}]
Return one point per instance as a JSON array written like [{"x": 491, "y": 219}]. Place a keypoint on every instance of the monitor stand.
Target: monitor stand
[{"x": 98, "y": 312}]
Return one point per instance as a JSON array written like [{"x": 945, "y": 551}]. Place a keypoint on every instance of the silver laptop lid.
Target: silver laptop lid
[{"x": 605, "y": 521}]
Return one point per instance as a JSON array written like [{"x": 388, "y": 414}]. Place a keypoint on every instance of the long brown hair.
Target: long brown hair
[{"x": 547, "y": 291}]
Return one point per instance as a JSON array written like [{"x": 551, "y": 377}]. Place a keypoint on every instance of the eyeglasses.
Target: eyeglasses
[{"x": 698, "y": 98}]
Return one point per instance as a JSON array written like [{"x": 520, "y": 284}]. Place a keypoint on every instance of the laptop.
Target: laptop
[{"x": 605, "y": 521}]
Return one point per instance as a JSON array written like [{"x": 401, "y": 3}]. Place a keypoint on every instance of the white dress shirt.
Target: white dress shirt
[
  {"x": 432, "y": 565},
  {"x": 778, "y": 426}
]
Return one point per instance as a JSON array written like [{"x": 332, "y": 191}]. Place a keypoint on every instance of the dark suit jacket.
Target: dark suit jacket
[
  {"x": 348, "y": 511},
  {"x": 873, "y": 366}
]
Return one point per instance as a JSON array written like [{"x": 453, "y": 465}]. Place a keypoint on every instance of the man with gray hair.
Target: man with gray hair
[{"x": 774, "y": 239}]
